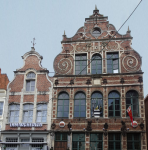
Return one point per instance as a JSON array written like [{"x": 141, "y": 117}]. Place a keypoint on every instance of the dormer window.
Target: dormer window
[{"x": 30, "y": 81}]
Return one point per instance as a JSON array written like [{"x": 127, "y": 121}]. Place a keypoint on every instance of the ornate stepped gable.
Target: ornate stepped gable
[{"x": 92, "y": 38}]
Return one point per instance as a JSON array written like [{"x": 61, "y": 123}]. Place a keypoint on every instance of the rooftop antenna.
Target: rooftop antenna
[{"x": 33, "y": 42}]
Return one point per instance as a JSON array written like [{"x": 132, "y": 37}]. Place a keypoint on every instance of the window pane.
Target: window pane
[
  {"x": 82, "y": 114},
  {"x": 60, "y": 108},
  {"x": 76, "y": 108},
  {"x": 60, "y": 114},
  {"x": 110, "y": 113},
  {"x": 82, "y": 108},
  {"x": 76, "y": 114},
  {"x": 60, "y": 102},
  {"x": 76, "y": 102},
  {"x": 65, "y": 114},
  {"x": 66, "y": 108},
  {"x": 66, "y": 102}
]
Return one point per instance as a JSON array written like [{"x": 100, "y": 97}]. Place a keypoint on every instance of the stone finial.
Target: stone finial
[
  {"x": 96, "y": 7},
  {"x": 64, "y": 32},
  {"x": 128, "y": 30}
]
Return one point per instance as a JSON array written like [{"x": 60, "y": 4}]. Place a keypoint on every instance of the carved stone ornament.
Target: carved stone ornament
[
  {"x": 62, "y": 65},
  {"x": 131, "y": 63}
]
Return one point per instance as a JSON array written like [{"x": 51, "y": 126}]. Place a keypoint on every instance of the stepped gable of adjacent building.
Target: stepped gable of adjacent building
[{"x": 93, "y": 38}]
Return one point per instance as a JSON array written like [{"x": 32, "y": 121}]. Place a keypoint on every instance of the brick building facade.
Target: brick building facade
[
  {"x": 97, "y": 77},
  {"x": 3, "y": 89},
  {"x": 28, "y": 107}
]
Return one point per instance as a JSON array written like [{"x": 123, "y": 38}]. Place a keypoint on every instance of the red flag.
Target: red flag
[{"x": 129, "y": 110}]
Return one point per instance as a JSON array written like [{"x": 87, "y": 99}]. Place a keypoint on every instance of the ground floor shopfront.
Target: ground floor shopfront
[
  {"x": 99, "y": 141},
  {"x": 25, "y": 140}
]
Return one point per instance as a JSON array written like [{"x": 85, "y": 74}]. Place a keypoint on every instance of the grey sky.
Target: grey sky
[{"x": 46, "y": 20}]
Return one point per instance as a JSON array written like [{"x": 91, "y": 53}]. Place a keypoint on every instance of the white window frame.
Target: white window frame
[
  {"x": 30, "y": 79},
  {"x": 41, "y": 110},
  {"x": 29, "y": 119},
  {"x": 15, "y": 110}
]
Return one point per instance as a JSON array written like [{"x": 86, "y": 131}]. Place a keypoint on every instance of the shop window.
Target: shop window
[
  {"x": 30, "y": 81},
  {"x": 37, "y": 146},
  {"x": 96, "y": 64},
  {"x": 1, "y": 108},
  {"x": 11, "y": 139},
  {"x": 27, "y": 113},
  {"x": 63, "y": 105},
  {"x": 78, "y": 141},
  {"x": 114, "y": 141},
  {"x": 132, "y": 100},
  {"x": 61, "y": 137},
  {"x": 81, "y": 64},
  {"x": 14, "y": 113},
  {"x": 114, "y": 104},
  {"x": 96, "y": 141},
  {"x": 41, "y": 113},
  {"x": 97, "y": 103},
  {"x": 112, "y": 63},
  {"x": 80, "y": 105},
  {"x": 133, "y": 141},
  {"x": 37, "y": 140}
]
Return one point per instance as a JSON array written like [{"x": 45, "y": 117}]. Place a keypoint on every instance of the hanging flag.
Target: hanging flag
[{"x": 129, "y": 110}]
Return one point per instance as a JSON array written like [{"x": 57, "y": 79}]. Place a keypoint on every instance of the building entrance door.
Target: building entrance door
[
  {"x": 60, "y": 146},
  {"x": 60, "y": 141}
]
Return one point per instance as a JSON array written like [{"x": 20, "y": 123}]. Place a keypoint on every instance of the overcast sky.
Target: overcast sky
[{"x": 46, "y": 20}]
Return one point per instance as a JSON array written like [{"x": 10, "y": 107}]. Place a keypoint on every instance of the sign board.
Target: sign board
[
  {"x": 26, "y": 125},
  {"x": 135, "y": 124},
  {"x": 62, "y": 124}
]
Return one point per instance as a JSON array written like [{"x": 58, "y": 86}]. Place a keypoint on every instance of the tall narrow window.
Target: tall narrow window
[
  {"x": 30, "y": 81},
  {"x": 133, "y": 141},
  {"x": 1, "y": 108},
  {"x": 81, "y": 64},
  {"x": 27, "y": 113},
  {"x": 96, "y": 64},
  {"x": 63, "y": 105},
  {"x": 41, "y": 113},
  {"x": 14, "y": 113},
  {"x": 78, "y": 141},
  {"x": 80, "y": 105},
  {"x": 112, "y": 63},
  {"x": 97, "y": 102},
  {"x": 114, "y": 104},
  {"x": 96, "y": 141},
  {"x": 114, "y": 141},
  {"x": 132, "y": 100}
]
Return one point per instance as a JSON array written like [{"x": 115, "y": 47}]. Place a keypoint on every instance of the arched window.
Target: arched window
[
  {"x": 80, "y": 105},
  {"x": 63, "y": 105},
  {"x": 114, "y": 104},
  {"x": 27, "y": 113},
  {"x": 132, "y": 100},
  {"x": 96, "y": 64},
  {"x": 96, "y": 102},
  {"x": 30, "y": 81},
  {"x": 14, "y": 113},
  {"x": 41, "y": 113}
]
